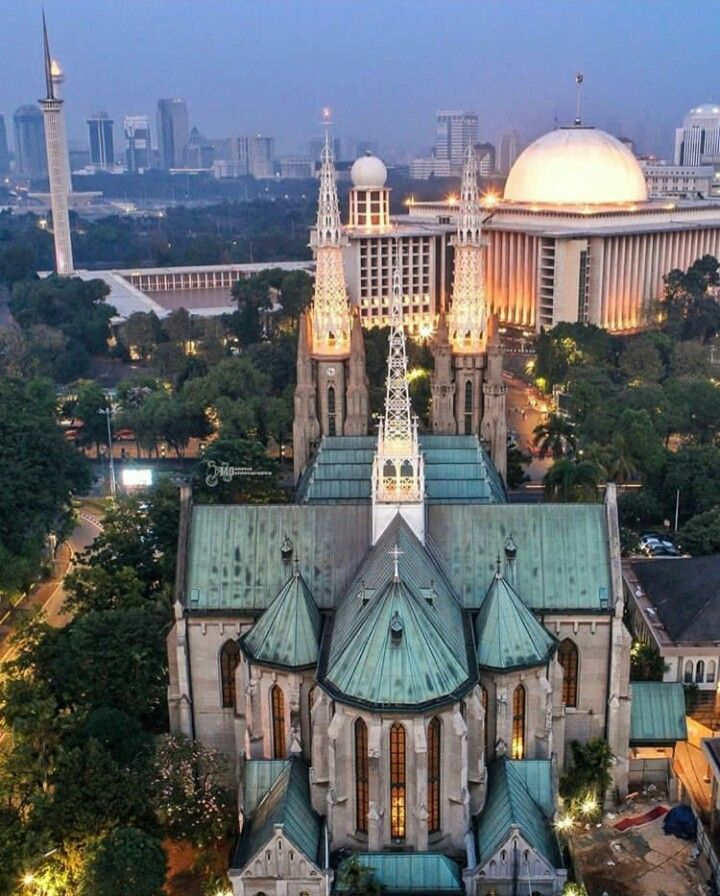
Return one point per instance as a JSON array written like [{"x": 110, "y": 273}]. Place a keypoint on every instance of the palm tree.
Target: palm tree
[
  {"x": 571, "y": 481},
  {"x": 555, "y": 437},
  {"x": 621, "y": 464}
]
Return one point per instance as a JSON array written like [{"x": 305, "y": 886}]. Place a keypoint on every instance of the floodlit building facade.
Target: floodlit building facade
[
  {"x": 397, "y": 660},
  {"x": 101, "y": 140},
  {"x": 699, "y": 138}
]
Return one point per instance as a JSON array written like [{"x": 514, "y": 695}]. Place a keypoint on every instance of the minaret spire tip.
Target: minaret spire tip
[
  {"x": 48, "y": 61},
  {"x": 579, "y": 78}
]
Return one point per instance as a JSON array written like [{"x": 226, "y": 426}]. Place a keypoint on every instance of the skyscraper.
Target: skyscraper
[
  {"x": 454, "y": 132},
  {"x": 138, "y": 146},
  {"x": 699, "y": 137},
  {"x": 510, "y": 148},
  {"x": 102, "y": 145},
  {"x": 4, "y": 153},
  {"x": 485, "y": 153},
  {"x": 58, "y": 164},
  {"x": 30, "y": 154},
  {"x": 173, "y": 132}
]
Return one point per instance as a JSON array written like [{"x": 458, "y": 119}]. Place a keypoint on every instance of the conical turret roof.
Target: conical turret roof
[
  {"x": 288, "y": 632},
  {"x": 507, "y": 634},
  {"x": 398, "y": 640}
]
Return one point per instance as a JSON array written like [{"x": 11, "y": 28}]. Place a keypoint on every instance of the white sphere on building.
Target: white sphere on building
[
  {"x": 368, "y": 173},
  {"x": 576, "y": 166}
]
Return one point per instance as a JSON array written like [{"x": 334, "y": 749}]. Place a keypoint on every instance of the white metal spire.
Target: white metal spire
[
  {"x": 399, "y": 476},
  {"x": 330, "y": 310},
  {"x": 467, "y": 314}
]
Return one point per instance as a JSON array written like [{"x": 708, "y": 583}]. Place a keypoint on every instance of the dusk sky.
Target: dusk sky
[{"x": 384, "y": 67}]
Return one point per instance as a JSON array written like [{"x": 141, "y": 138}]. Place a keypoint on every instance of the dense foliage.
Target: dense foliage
[{"x": 39, "y": 471}]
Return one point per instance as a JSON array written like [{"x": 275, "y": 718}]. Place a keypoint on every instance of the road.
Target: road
[
  {"x": 50, "y": 596},
  {"x": 522, "y": 418}
]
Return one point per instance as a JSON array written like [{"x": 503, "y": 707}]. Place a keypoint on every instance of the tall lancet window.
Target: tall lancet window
[
  {"x": 468, "y": 407},
  {"x": 332, "y": 425},
  {"x": 277, "y": 703},
  {"x": 517, "y": 747},
  {"x": 568, "y": 657},
  {"x": 433, "y": 775},
  {"x": 229, "y": 659},
  {"x": 362, "y": 793},
  {"x": 398, "y": 783}
]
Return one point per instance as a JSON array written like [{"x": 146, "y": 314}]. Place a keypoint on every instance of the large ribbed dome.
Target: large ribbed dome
[{"x": 576, "y": 166}]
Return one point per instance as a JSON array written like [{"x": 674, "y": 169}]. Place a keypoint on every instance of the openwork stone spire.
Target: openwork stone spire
[
  {"x": 330, "y": 311},
  {"x": 399, "y": 476},
  {"x": 467, "y": 313}
]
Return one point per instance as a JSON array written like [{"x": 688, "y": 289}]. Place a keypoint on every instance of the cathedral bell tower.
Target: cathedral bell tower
[
  {"x": 331, "y": 396},
  {"x": 468, "y": 395}
]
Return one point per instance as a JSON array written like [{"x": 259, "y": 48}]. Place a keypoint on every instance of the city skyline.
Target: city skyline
[{"x": 269, "y": 68}]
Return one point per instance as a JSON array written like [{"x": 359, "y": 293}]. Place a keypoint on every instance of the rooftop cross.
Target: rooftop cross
[{"x": 396, "y": 553}]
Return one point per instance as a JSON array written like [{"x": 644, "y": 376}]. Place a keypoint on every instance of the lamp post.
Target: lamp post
[{"x": 108, "y": 413}]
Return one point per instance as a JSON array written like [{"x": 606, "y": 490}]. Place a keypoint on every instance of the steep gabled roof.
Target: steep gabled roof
[
  {"x": 418, "y": 872},
  {"x": 518, "y": 798},
  {"x": 507, "y": 634},
  {"x": 288, "y": 632},
  {"x": 426, "y": 660},
  {"x": 258, "y": 777},
  {"x": 285, "y": 805}
]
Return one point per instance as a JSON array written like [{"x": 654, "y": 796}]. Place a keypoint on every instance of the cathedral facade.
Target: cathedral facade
[{"x": 397, "y": 661}]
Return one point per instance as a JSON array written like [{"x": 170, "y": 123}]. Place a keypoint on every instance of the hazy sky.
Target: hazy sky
[{"x": 248, "y": 66}]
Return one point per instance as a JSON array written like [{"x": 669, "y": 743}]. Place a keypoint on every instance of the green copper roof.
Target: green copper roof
[
  {"x": 400, "y": 873},
  {"x": 288, "y": 632},
  {"x": 259, "y": 775},
  {"x": 397, "y": 642},
  {"x": 562, "y": 552},
  {"x": 657, "y": 712},
  {"x": 457, "y": 470},
  {"x": 507, "y": 635},
  {"x": 521, "y": 798},
  {"x": 287, "y": 805},
  {"x": 235, "y": 558}
]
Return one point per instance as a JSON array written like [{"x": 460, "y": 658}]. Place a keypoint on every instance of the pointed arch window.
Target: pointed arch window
[
  {"x": 688, "y": 675},
  {"x": 229, "y": 659},
  {"x": 700, "y": 671},
  {"x": 468, "y": 407},
  {"x": 277, "y": 702},
  {"x": 517, "y": 747},
  {"x": 311, "y": 700},
  {"x": 332, "y": 426},
  {"x": 362, "y": 793},
  {"x": 433, "y": 775},
  {"x": 486, "y": 727},
  {"x": 568, "y": 658},
  {"x": 398, "y": 782}
]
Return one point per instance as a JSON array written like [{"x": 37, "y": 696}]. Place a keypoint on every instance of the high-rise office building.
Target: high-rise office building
[
  {"x": 698, "y": 140},
  {"x": 454, "y": 132},
  {"x": 173, "y": 132},
  {"x": 510, "y": 149},
  {"x": 4, "y": 152},
  {"x": 260, "y": 154},
  {"x": 138, "y": 146},
  {"x": 30, "y": 153},
  {"x": 102, "y": 145},
  {"x": 485, "y": 154}
]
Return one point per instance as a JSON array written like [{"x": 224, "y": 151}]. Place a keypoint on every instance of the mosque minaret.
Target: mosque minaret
[{"x": 58, "y": 167}]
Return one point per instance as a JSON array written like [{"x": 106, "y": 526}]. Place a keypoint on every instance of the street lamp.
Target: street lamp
[{"x": 108, "y": 413}]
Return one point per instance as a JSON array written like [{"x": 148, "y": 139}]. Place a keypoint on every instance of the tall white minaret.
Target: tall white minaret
[
  {"x": 331, "y": 321},
  {"x": 466, "y": 320},
  {"x": 57, "y": 155},
  {"x": 398, "y": 475}
]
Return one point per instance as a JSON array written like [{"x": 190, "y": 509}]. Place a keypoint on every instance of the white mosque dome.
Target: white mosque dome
[
  {"x": 368, "y": 173},
  {"x": 576, "y": 166}
]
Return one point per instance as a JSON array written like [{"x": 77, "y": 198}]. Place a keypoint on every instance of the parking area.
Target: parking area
[{"x": 640, "y": 861}]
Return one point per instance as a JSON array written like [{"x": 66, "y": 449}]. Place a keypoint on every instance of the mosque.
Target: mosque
[
  {"x": 398, "y": 660},
  {"x": 573, "y": 238}
]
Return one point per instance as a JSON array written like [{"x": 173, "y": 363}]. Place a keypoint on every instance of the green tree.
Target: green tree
[
  {"x": 646, "y": 664},
  {"x": 691, "y": 360},
  {"x": 39, "y": 471},
  {"x": 516, "y": 461},
  {"x": 555, "y": 437},
  {"x": 693, "y": 470},
  {"x": 296, "y": 292},
  {"x": 17, "y": 263},
  {"x": 701, "y": 533},
  {"x": 357, "y": 879},
  {"x": 590, "y": 772},
  {"x": 192, "y": 792},
  {"x": 89, "y": 406},
  {"x": 125, "y": 862},
  {"x": 91, "y": 588},
  {"x": 571, "y": 481},
  {"x": 258, "y": 485},
  {"x": 140, "y": 334}
]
